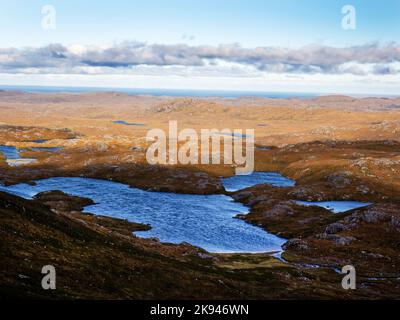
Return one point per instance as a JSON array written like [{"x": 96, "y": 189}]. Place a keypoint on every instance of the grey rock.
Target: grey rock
[
  {"x": 296, "y": 244},
  {"x": 280, "y": 209},
  {"x": 395, "y": 221},
  {"x": 242, "y": 195},
  {"x": 335, "y": 228},
  {"x": 374, "y": 216},
  {"x": 336, "y": 239},
  {"x": 340, "y": 179}
]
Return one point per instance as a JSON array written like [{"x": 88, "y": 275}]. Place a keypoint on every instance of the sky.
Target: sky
[{"x": 252, "y": 45}]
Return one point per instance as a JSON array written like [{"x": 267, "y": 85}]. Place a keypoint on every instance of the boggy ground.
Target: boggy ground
[
  {"x": 336, "y": 148},
  {"x": 367, "y": 238},
  {"x": 111, "y": 159}
]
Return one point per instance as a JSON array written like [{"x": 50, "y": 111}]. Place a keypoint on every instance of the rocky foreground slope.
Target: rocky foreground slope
[
  {"x": 333, "y": 147},
  {"x": 99, "y": 258}
]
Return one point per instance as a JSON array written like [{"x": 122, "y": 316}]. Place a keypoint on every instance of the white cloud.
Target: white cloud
[
  {"x": 362, "y": 69},
  {"x": 123, "y": 57}
]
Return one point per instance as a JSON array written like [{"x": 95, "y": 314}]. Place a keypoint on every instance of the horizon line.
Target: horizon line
[{"x": 173, "y": 92}]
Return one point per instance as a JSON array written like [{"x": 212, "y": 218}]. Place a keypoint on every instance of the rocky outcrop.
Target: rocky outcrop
[
  {"x": 336, "y": 239},
  {"x": 61, "y": 201},
  {"x": 296, "y": 244},
  {"x": 340, "y": 179},
  {"x": 336, "y": 228}
]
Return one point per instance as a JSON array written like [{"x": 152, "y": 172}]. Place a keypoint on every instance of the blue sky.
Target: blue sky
[
  {"x": 196, "y": 23},
  {"x": 249, "y": 22}
]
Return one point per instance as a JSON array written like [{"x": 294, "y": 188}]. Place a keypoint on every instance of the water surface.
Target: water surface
[
  {"x": 14, "y": 158},
  {"x": 336, "y": 206},
  {"x": 44, "y": 149},
  {"x": 10, "y": 152},
  {"x": 204, "y": 221},
  {"x": 275, "y": 179},
  {"x": 128, "y": 123},
  {"x": 263, "y": 148},
  {"x": 232, "y": 134},
  {"x": 162, "y": 92}
]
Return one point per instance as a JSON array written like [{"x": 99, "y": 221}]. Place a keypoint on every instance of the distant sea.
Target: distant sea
[{"x": 161, "y": 92}]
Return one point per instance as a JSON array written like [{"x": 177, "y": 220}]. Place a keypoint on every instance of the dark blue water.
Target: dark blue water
[
  {"x": 13, "y": 156},
  {"x": 336, "y": 206},
  {"x": 162, "y": 92},
  {"x": 44, "y": 149},
  {"x": 128, "y": 123},
  {"x": 275, "y": 179},
  {"x": 38, "y": 141},
  {"x": 262, "y": 148},
  {"x": 204, "y": 221},
  {"x": 232, "y": 134},
  {"x": 10, "y": 152}
]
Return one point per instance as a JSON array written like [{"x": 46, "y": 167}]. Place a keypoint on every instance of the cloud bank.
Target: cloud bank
[{"x": 131, "y": 57}]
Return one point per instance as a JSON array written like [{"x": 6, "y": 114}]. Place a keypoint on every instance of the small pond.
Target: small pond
[
  {"x": 336, "y": 206},
  {"x": 275, "y": 179}
]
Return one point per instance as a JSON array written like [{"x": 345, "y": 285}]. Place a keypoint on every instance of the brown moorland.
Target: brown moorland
[{"x": 335, "y": 147}]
